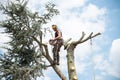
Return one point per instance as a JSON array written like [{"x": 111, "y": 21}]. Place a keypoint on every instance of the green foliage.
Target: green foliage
[{"x": 21, "y": 60}]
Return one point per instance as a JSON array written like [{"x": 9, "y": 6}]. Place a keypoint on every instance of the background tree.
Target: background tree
[{"x": 24, "y": 59}]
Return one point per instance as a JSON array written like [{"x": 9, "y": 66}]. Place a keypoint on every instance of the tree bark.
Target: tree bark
[{"x": 71, "y": 65}]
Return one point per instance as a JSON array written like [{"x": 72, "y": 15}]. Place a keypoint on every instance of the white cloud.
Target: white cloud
[
  {"x": 114, "y": 57},
  {"x": 3, "y": 1},
  {"x": 63, "y": 60},
  {"x": 92, "y": 12},
  {"x": 82, "y": 51},
  {"x": 110, "y": 65},
  {"x": 115, "y": 52},
  {"x": 80, "y": 66},
  {"x": 114, "y": 70},
  {"x": 101, "y": 63},
  {"x": 36, "y": 5},
  {"x": 99, "y": 77},
  {"x": 65, "y": 5},
  {"x": 91, "y": 19}
]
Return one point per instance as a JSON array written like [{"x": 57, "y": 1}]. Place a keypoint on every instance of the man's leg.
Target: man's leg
[
  {"x": 54, "y": 55},
  {"x": 58, "y": 56},
  {"x": 59, "y": 44}
]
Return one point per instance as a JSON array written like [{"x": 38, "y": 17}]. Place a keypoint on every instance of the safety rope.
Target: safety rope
[{"x": 91, "y": 44}]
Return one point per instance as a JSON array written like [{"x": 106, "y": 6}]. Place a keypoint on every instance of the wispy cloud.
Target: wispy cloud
[
  {"x": 114, "y": 58},
  {"x": 65, "y": 5}
]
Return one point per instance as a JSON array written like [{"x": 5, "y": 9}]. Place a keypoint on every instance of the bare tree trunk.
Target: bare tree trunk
[
  {"x": 70, "y": 54},
  {"x": 71, "y": 64}
]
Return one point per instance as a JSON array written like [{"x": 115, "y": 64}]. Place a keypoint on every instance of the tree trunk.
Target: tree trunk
[
  {"x": 70, "y": 47},
  {"x": 70, "y": 62},
  {"x": 56, "y": 69}
]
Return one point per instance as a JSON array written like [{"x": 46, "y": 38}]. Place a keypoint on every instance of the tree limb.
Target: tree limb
[
  {"x": 57, "y": 70},
  {"x": 66, "y": 43},
  {"x": 47, "y": 56},
  {"x": 81, "y": 40}
]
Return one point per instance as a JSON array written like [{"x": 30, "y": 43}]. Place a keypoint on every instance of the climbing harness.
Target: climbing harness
[{"x": 91, "y": 44}]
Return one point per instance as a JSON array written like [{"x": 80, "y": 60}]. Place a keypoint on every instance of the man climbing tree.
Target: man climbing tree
[{"x": 57, "y": 42}]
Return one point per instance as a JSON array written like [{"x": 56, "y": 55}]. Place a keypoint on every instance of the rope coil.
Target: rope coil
[{"x": 91, "y": 44}]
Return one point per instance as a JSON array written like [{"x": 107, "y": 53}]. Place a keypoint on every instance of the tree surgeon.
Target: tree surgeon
[{"x": 57, "y": 42}]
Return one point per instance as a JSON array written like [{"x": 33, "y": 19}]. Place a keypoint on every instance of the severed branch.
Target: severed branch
[
  {"x": 83, "y": 34},
  {"x": 66, "y": 43},
  {"x": 81, "y": 40}
]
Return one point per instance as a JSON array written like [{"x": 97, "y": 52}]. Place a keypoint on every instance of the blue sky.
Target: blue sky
[{"x": 88, "y": 16}]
